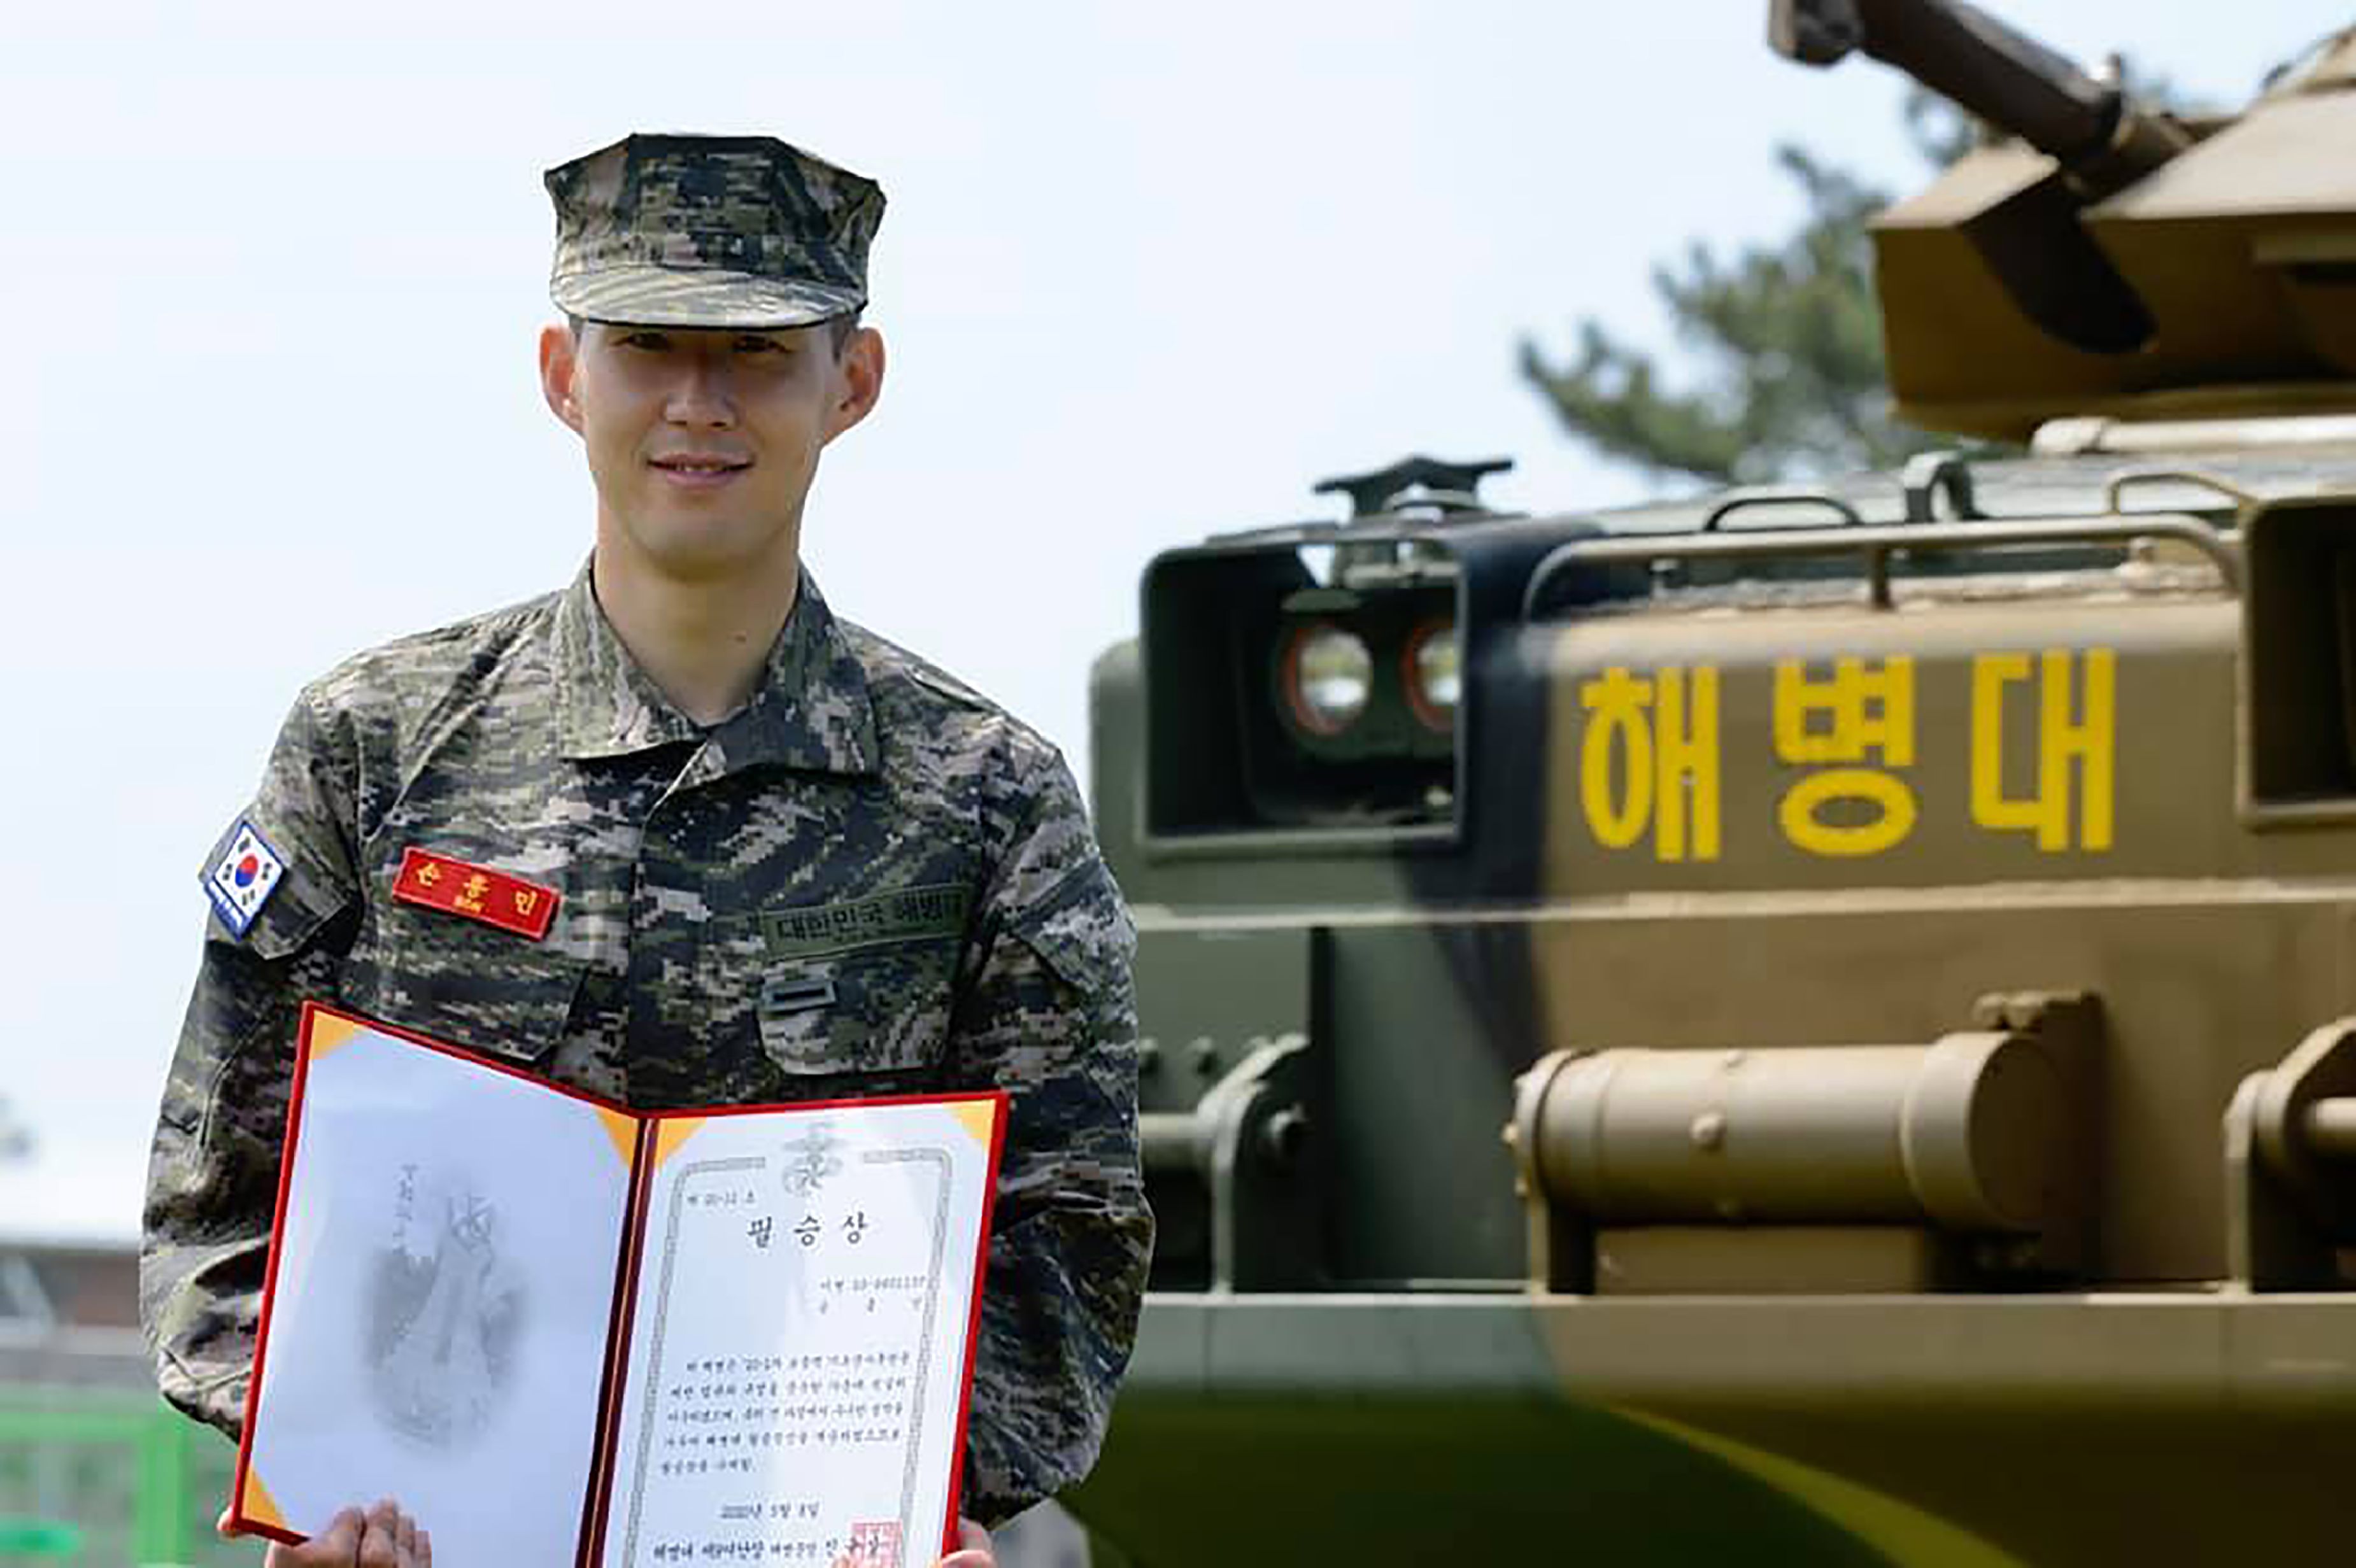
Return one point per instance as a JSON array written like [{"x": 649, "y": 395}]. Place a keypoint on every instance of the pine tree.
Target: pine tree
[{"x": 1792, "y": 380}]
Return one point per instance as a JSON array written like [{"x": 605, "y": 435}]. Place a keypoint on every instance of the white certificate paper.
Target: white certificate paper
[
  {"x": 799, "y": 1324},
  {"x": 560, "y": 1331},
  {"x": 441, "y": 1300}
]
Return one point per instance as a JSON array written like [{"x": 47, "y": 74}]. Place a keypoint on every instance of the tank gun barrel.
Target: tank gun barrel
[{"x": 1958, "y": 50}]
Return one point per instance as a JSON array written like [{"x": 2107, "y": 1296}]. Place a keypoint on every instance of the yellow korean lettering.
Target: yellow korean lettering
[
  {"x": 2088, "y": 740},
  {"x": 1686, "y": 743},
  {"x": 2092, "y": 739},
  {"x": 1863, "y": 713},
  {"x": 1865, "y": 710},
  {"x": 1649, "y": 758},
  {"x": 1801, "y": 814},
  {"x": 1618, "y": 719}
]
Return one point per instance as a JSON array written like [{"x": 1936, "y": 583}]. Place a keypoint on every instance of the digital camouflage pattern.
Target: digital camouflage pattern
[
  {"x": 687, "y": 231},
  {"x": 868, "y": 880}
]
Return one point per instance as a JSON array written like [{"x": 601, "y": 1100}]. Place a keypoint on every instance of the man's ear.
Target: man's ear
[
  {"x": 560, "y": 366},
  {"x": 859, "y": 380}
]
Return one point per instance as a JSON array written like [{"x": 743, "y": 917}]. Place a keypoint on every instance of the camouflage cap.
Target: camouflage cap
[{"x": 674, "y": 231}]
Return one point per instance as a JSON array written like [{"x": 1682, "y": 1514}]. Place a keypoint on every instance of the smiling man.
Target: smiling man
[{"x": 722, "y": 787}]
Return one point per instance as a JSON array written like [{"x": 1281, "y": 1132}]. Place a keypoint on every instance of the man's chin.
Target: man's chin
[{"x": 710, "y": 552}]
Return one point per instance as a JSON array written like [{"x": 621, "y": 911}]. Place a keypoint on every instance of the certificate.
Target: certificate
[{"x": 561, "y": 1331}]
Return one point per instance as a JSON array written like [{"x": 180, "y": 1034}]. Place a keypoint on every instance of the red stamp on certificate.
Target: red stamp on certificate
[
  {"x": 476, "y": 893},
  {"x": 873, "y": 1546}
]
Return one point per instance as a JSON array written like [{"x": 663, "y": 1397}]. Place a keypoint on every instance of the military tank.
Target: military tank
[{"x": 1807, "y": 1024}]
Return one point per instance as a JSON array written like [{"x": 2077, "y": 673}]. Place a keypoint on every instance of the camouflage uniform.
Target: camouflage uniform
[
  {"x": 865, "y": 820},
  {"x": 868, "y": 880}
]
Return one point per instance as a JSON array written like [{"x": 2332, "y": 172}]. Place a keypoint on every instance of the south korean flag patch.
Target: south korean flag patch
[{"x": 245, "y": 877}]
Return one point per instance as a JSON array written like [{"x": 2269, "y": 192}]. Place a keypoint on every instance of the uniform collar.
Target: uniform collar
[{"x": 811, "y": 710}]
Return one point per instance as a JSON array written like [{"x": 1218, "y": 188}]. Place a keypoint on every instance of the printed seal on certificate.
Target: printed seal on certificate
[{"x": 874, "y": 1544}]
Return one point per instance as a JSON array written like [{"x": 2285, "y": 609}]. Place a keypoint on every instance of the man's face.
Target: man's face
[{"x": 702, "y": 441}]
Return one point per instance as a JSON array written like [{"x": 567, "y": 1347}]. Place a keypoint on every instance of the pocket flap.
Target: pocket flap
[
  {"x": 1082, "y": 931},
  {"x": 872, "y": 1009},
  {"x": 466, "y": 983}
]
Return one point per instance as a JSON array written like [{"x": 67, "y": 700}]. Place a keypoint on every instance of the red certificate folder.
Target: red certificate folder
[{"x": 557, "y": 1330}]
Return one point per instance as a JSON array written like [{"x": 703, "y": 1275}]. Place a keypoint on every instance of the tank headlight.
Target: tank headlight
[
  {"x": 1328, "y": 676},
  {"x": 1434, "y": 675}
]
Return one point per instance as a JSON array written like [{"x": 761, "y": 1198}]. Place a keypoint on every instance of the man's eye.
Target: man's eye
[
  {"x": 754, "y": 344},
  {"x": 651, "y": 341}
]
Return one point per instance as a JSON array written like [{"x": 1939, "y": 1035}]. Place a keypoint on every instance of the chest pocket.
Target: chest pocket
[
  {"x": 881, "y": 1009},
  {"x": 464, "y": 982}
]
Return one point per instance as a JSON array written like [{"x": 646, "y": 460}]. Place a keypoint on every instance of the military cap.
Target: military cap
[{"x": 676, "y": 231}]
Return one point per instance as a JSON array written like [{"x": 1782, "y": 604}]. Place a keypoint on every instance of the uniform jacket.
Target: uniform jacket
[{"x": 864, "y": 820}]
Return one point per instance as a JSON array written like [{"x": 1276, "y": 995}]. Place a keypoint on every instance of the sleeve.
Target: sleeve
[
  {"x": 212, "y": 1173},
  {"x": 1050, "y": 1015}
]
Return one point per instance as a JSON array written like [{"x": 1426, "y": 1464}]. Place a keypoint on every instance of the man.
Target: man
[{"x": 702, "y": 767}]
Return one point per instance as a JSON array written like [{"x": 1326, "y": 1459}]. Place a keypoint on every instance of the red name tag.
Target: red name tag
[{"x": 477, "y": 892}]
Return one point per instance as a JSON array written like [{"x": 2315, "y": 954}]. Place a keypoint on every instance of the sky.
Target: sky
[{"x": 1148, "y": 273}]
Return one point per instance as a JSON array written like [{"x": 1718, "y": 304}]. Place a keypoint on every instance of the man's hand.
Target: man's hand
[
  {"x": 973, "y": 1548},
  {"x": 383, "y": 1537}
]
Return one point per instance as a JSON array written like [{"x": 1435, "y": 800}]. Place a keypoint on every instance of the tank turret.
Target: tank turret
[{"x": 2103, "y": 260}]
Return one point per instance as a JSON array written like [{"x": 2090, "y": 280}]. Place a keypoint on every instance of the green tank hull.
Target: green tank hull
[
  {"x": 1540, "y": 1183},
  {"x": 2106, "y": 1428}
]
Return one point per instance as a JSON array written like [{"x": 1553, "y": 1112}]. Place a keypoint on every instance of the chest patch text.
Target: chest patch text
[
  {"x": 475, "y": 892},
  {"x": 903, "y": 915}
]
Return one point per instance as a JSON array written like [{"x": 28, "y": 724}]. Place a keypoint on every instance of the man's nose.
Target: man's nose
[{"x": 704, "y": 393}]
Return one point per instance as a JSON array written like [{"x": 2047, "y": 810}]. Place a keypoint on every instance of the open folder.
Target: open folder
[{"x": 561, "y": 1331}]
